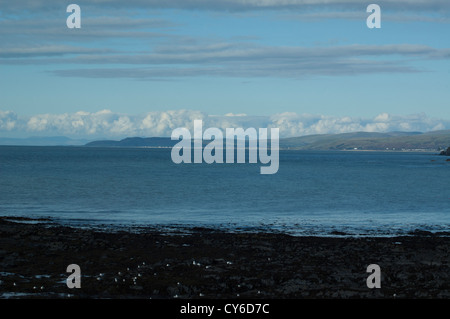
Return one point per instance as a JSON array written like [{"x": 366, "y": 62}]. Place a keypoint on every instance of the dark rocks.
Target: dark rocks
[
  {"x": 419, "y": 232},
  {"x": 445, "y": 152},
  {"x": 213, "y": 264},
  {"x": 338, "y": 233}
]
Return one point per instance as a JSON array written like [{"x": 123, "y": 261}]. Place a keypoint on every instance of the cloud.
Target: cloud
[
  {"x": 292, "y": 124},
  {"x": 227, "y": 59},
  {"x": 8, "y": 121},
  {"x": 155, "y": 48},
  {"x": 361, "y": 15},
  {"x": 250, "y": 61},
  {"x": 107, "y": 124},
  {"x": 227, "y": 52},
  {"x": 101, "y": 27},
  {"x": 47, "y": 50},
  {"x": 227, "y": 5},
  {"x": 233, "y": 114}
]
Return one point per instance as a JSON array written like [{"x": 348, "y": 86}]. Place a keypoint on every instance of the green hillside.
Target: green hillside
[{"x": 370, "y": 141}]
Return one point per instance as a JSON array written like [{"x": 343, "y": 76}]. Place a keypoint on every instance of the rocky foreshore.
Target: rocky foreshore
[{"x": 205, "y": 263}]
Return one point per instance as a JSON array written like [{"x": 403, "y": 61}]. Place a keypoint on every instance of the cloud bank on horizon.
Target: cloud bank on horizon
[{"x": 107, "y": 124}]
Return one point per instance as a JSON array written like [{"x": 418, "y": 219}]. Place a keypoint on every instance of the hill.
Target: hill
[
  {"x": 370, "y": 141},
  {"x": 345, "y": 141}
]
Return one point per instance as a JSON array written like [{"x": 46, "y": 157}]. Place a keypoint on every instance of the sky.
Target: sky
[{"x": 144, "y": 68}]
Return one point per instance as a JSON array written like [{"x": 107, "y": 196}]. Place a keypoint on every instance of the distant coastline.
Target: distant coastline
[
  {"x": 437, "y": 152},
  {"x": 359, "y": 141},
  {"x": 436, "y": 141}
]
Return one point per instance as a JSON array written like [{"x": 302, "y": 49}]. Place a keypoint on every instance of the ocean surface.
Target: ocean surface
[{"x": 313, "y": 193}]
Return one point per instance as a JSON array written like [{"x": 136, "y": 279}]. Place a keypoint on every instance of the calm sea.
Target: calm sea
[{"x": 313, "y": 193}]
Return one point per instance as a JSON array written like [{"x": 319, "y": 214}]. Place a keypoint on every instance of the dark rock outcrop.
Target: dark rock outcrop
[{"x": 446, "y": 152}]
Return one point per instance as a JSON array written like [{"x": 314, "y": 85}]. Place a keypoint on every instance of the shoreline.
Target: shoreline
[
  {"x": 295, "y": 230},
  {"x": 400, "y": 150},
  {"x": 213, "y": 264}
]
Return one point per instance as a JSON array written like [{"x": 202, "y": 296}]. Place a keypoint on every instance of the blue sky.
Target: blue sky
[{"x": 305, "y": 65}]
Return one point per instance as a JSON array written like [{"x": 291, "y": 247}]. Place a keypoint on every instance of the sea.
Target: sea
[{"x": 314, "y": 193}]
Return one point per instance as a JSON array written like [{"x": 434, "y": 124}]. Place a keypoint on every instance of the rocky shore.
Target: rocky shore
[{"x": 206, "y": 263}]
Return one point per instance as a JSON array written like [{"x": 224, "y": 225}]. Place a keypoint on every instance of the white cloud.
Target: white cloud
[
  {"x": 8, "y": 121},
  {"x": 383, "y": 117},
  {"x": 232, "y": 114},
  {"x": 107, "y": 124},
  {"x": 293, "y": 124}
]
